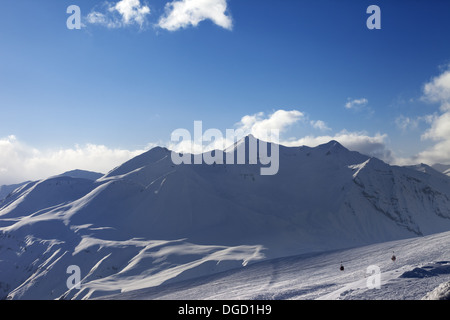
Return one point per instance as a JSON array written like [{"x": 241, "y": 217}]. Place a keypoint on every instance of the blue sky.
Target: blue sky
[{"x": 121, "y": 87}]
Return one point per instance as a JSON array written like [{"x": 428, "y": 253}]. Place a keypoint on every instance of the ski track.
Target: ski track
[{"x": 317, "y": 276}]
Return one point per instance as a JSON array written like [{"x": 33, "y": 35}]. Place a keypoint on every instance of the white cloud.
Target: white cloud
[
  {"x": 437, "y": 90},
  {"x": 438, "y": 153},
  {"x": 95, "y": 17},
  {"x": 320, "y": 125},
  {"x": 281, "y": 120},
  {"x": 356, "y": 104},
  {"x": 405, "y": 123},
  {"x": 20, "y": 162},
  {"x": 120, "y": 14},
  {"x": 178, "y": 14},
  {"x": 410, "y": 123},
  {"x": 259, "y": 124},
  {"x": 440, "y": 128},
  {"x": 132, "y": 11},
  {"x": 185, "y": 13}
]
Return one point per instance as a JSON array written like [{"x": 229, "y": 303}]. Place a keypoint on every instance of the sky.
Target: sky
[{"x": 136, "y": 70}]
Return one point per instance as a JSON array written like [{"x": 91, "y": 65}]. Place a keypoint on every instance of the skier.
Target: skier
[{"x": 342, "y": 267}]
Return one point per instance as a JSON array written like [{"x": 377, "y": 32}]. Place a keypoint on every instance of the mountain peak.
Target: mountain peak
[
  {"x": 332, "y": 146},
  {"x": 249, "y": 137},
  {"x": 243, "y": 141},
  {"x": 83, "y": 174},
  {"x": 151, "y": 156}
]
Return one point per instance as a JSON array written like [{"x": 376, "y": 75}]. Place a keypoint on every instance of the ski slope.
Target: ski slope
[{"x": 421, "y": 270}]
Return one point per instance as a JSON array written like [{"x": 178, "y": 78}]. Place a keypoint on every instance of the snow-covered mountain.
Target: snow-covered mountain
[
  {"x": 149, "y": 221},
  {"x": 81, "y": 174},
  {"x": 5, "y": 190},
  {"x": 444, "y": 168}
]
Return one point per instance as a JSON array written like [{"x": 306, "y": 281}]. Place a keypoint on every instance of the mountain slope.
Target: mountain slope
[
  {"x": 5, "y": 190},
  {"x": 31, "y": 197},
  {"x": 81, "y": 174},
  {"x": 421, "y": 270},
  {"x": 444, "y": 168},
  {"x": 149, "y": 222}
]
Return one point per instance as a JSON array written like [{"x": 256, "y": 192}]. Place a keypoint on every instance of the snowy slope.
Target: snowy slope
[
  {"x": 150, "y": 222},
  {"x": 12, "y": 192},
  {"x": 442, "y": 292},
  {"x": 444, "y": 168},
  {"x": 82, "y": 174},
  {"x": 5, "y": 190},
  {"x": 31, "y": 197},
  {"x": 421, "y": 270}
]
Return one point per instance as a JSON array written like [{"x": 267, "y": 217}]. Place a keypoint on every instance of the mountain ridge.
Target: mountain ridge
[{"x": 195, "y": 219}]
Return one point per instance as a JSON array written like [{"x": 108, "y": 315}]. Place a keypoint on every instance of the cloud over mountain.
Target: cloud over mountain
[
  {"x": 437, "y": 90},
  {"x": 20, "y": 162}
]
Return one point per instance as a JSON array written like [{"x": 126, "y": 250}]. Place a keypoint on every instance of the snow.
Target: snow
[
  {"x": 29, "y": 197},
  {"x": 317, "y": 276},
  {"x": 149, "y": 224},
  {"x": 82, "y": 174},
  {"x": 358, "y": 167},
  {"x": 5, "y": 190},
  {"x": 442, "y": 292},
  {"x": 444, "y": 168}
]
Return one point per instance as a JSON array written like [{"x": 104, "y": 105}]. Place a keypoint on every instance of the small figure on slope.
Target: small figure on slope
[{"x": 393, "y": 258}]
